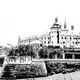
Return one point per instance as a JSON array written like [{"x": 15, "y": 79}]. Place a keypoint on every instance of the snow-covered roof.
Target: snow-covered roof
[{"x": 36, "y": 42}]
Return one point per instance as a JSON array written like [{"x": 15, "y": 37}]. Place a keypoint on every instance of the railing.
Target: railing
[{"x": 60, "y": 60}]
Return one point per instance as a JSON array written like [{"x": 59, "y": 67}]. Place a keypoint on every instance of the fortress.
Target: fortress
[
  {"x": 65, "y": 42},
  {"x": 56, "y": 37}
]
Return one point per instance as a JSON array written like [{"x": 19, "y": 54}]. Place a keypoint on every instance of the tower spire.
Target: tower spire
[{"x": 19, "y": 41}]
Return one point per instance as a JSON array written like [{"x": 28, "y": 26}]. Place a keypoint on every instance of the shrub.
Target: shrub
[{"x": 24, "y": 71}]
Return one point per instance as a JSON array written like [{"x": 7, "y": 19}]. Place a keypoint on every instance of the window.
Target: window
[
  {"x": 48, "y": 38},
  {"x": 63, "y": 42},
  {"x": 78, "y": 42},
  {"x": 65, "y": 37},
  {"x": 48, "y": 42},
  {"x": 74, "y": 38},
  {"x": 52, "y": 36},
  {"x": 78, "y": 37},
  {"x": 73, "y": 42},
  {"x": 52, "y": 41},
  {"x": 70, "y": 38},
  {"x": 44, "y": 41},
  {"x": 45, "y": 37},
  {"x": 62, "y": 37},
  {"x": 40, "y": 44}
]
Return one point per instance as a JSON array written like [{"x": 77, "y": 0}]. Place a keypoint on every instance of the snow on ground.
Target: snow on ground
[{"x": 68, "y": 76}]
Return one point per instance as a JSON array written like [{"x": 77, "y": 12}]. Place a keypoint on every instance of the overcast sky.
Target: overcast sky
[{"x": 34, "y": 17}]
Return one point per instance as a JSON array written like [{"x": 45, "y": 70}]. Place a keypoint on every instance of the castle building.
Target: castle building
[
  {"x": 46, "y": 39},
  {"x": 56, "y": 37}
]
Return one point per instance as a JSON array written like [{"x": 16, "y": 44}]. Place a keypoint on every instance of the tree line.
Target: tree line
[{"x": 43, "y": 52}]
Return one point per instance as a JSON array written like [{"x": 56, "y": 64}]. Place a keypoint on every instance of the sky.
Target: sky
[{"x": 35, "y": 17}]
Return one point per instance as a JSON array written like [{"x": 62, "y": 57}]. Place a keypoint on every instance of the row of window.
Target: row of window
[
  {"x": 76, "y": 42},
  {"x": 66, "y": 38},
  {"x": 47, "y": 42},
  {"x": 76, "y": 38},
  {"x": 72, "y": 42},
  {"x": 63, "y": 42},
  {"x": 70, "y": 38},
  {"x": 46, "y": 38}
]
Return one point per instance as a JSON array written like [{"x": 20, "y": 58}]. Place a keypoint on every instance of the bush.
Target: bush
[
  {"x": 43, "y": 53},
  {"x": 55, "y": 68}
]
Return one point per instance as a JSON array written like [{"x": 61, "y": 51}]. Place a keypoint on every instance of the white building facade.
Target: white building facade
[{"x": 56, "y": 37}]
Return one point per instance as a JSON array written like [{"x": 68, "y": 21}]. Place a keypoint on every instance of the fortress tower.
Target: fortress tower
[{"x": 55, "y": 33}]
